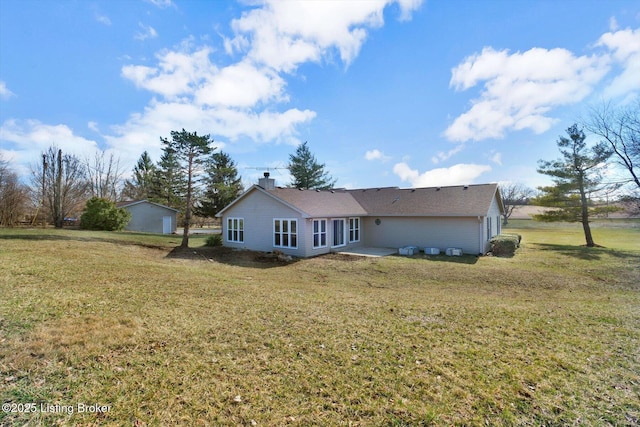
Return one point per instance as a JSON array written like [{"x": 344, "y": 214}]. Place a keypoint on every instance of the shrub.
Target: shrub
[
  {"x": 214, "y": 240},
  {"x": 102, "y": 214},
  {"x": 505, "y": 244}
]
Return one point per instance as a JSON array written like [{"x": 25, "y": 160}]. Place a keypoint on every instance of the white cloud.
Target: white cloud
[
  {"x": 103, "y": 19},
  {"x": 519, "y": 89},
  {"x": 625, "y": 49},
  {"x": 179, "y": 72},
  {"x": 93, "y": 126},
  {"x": 142, "y": 130},
  {"x": 496, "y": 157},
  {"x": 147, "y": 32},
  {"x": 30, "y": 138},
  {"x": 162, "y": 4},
  {"x": 241, "y": 85},
  {"x": 459, "y": 174},
  {"x": 5, "y": 93},
  {"x": 442, "y": 156},
  {"x": 407, "y": 7},
  {"x": 283, "y": 35},
  {"x": 376, "y": 154}
]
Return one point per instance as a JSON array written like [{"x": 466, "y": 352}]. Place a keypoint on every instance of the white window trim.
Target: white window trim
[
  {"x": 239, "y": 229},
  {"x": 288, "y": 233},
  {"x": 354, "y": 229},
  {"x": 319, "y": 233}
]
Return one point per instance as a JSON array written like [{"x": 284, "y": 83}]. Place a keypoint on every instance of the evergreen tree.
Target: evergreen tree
[
  {"x": 169, "y": 183},
  {"x": 307, "y": 172},
  {"x": 576, "y": 176},
  {"x": 143, "y": 183},
  {"x": 189, "y": 151},
  {"x": 222, "y": 184}
]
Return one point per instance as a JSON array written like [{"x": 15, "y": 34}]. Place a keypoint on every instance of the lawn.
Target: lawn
[{"x": 123, "y": 323}]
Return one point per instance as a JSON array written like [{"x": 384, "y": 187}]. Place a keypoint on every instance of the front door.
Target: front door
[{"x": 338, "y": 232}]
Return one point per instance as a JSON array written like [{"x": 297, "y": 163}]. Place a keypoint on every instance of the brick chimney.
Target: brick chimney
[{"x": 267, "y": 183}]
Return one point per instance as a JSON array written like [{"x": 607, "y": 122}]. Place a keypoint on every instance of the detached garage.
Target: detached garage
[{"x": 150, "y": 217}]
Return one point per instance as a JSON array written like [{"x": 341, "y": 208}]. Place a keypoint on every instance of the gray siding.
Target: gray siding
[
  {"x": 258, "y": 211},
  {"x": 438, "y": 232},
  {"x": 493, "y": 217},
  {"x": 310, "y": 251},
  {"x": 147, "y": 218}
]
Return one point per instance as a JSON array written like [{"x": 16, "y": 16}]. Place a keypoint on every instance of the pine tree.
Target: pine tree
[
  {"x": 222, "y": 185},
  {"x": 576, "y": 176},
  {"x": 141, "y": 186},
  {"x": 189, "y": 151},
  {"x": 169, "y": 182},
  {"x": 307, "y": 172}
]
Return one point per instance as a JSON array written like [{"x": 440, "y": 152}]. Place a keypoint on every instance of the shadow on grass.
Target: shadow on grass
[
  {"x": 230, "y": 256},
  {"x": 464, "y": 259},
  {"x": 39, "y": 237},
  {"x": 584, "y": 252},
  {"x": 78, "y": 237}
]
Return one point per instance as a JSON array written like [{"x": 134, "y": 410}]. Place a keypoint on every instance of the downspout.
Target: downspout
[{"x": 481, "y": 225}]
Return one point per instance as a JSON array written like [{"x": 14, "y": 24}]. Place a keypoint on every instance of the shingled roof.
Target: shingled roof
[
  {"x": 316, "y": 203},
  {"x": 467, "y": 200}
]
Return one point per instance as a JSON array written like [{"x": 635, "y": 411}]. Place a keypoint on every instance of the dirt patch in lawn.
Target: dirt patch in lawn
[{"x": 240, "y": 257}]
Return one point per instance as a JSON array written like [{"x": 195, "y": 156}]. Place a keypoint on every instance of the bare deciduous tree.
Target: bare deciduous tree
[
  {"x": 65, "y": 186},
  {"x": 620, "y": 129},
  {"x": 514, "y": 194},
  {"x": 104, "y": 175},
  {"x": 13, "y": 195}
]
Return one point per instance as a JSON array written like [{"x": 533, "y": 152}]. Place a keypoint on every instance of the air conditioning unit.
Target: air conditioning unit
[
  {"x": 408, "y": 250},
  {"x": 454, "y": 252},
  {"x": 431, "y": 251}
]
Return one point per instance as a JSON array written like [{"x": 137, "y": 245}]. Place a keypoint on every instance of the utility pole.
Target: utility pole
[
  {"x": 58, "y": 215},
  {"x": 44, "y": 185}
]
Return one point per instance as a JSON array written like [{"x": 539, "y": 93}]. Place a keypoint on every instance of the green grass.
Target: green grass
[{"x": 548, "y": 337}]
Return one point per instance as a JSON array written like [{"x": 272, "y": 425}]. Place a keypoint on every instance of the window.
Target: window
[
  {"x": 498, "y": 224},
  {"x": 354, "y": 229},
  {"x": 285, "y": 233},
  {"x": 235, "y": 230},
  {"x": 319, "y": 233},
  {"x": 488, "y": 227}
]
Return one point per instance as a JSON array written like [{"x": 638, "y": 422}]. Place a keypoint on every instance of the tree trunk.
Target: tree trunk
[
  {"x": 585, "y": 213},
  {"x": 187, "y": 211}
]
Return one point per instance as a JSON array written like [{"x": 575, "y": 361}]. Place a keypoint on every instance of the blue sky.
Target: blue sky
[{"x": 402, "y": 93}]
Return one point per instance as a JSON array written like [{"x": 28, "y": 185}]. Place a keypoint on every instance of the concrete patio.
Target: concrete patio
[{"x": 369, "y": 252}]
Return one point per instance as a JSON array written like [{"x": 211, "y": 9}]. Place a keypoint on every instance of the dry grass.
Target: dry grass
[{"x": 548, "y": 337}]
